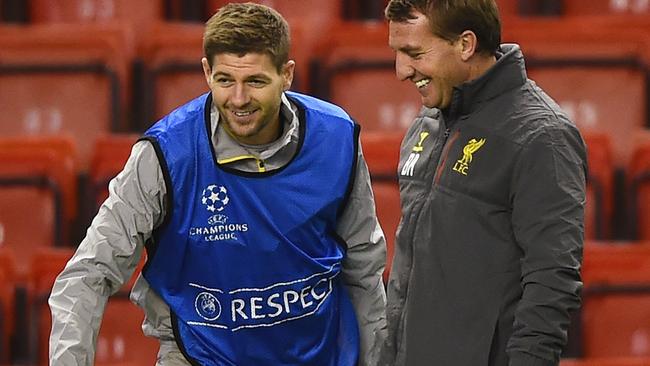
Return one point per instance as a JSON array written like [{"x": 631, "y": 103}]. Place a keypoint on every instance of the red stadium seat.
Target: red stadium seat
[
  {"x": 608, "y": 361},
  {"x": 317, "y": 12},
  {"x": 64, "y": 79},
  {"x": 363, "y": 9},
  {"x": 46, "y": 264},
  {"x": 638, "y": 173},
  {"x": 120, "y": 338},
  {"x": 591, "y": 76},
  {"x": 389, "y": 214},
  {"x": 8, "y": 283},
  {"x": 110, "y": 153},
  {"x": 507, "y": 8},
  {"x": 616, "y": 300},
  {"x": 37, "y": 193},
  {"x": 172, "y": 59},
  {"x": 91, "y": 11},
  {"x": 602, "y": 7},
  {"x": 600, "y": 187},
  {"x": 355, "y": 69},
  {"x": 381, "y": 151}
]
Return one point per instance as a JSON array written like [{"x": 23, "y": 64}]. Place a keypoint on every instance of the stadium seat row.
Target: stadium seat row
[
  {"x": 39, "y": 186},
  {"x": 612, "y": 328},
  {"x": 40, "y": 11},
  {"x": 25, "y": 332},
  {"x": 148, "y": 11},
  {"x": 89, "y": 78}
]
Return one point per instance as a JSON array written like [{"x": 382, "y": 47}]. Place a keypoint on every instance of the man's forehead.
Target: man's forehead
[
  {"x": 247, "y": 60},
  {"x": 402, "y": 39}
]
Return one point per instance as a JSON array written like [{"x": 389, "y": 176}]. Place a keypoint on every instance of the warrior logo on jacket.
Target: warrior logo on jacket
[{"x": 409, "y": 167}]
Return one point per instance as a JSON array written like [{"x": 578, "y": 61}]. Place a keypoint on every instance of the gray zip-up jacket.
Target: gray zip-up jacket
[
  {"x": 109, "y": 253},
  {"x": 488, "y": 253}
]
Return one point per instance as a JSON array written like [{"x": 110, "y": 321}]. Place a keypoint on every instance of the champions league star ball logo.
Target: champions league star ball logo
[
  {"x": 207, "y": 306},
  {"x": 215, "y": 198}
]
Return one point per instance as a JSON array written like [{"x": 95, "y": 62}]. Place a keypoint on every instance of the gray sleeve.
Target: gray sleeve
[
  {"x": 364, "y": 263},
  {"x": 548, "y": 223},
  {"x": 106, "y": 258}
]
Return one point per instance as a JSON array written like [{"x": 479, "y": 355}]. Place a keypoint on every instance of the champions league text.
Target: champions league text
[{"x": 219, "y": 232}]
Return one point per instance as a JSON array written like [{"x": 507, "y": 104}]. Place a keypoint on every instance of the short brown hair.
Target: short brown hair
[
  {"x": 242, "y": 28},
  {"x": 450, "y": 18}
]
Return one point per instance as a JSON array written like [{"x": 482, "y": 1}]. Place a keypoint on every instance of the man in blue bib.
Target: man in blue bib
[{"x": 257, "y": 213}]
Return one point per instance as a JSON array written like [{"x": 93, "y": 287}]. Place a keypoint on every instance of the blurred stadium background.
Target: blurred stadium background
[{"x": 80, "y": 79}]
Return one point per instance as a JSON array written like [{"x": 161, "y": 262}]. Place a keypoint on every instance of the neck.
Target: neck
[{"x": 480, "y": 66}]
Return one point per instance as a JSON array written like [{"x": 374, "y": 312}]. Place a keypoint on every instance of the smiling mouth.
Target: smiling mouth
[
  {"x": 422, "y": 83},
  {"x": 242, "y": 114}
]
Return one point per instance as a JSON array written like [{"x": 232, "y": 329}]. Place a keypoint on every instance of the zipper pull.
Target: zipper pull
[
  {"x": 260, "y": 166},
  {"x": 447, "y": 132}
]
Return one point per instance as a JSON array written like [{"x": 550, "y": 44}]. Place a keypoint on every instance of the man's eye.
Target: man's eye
[
  {"x": 223, "y": 81},
  {"x": 257, "y": 83}
]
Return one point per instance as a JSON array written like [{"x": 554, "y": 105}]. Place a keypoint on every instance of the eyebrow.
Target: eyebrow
[
  {"x": 409, "y": 49},
  {"x": 254, "y": 76}
]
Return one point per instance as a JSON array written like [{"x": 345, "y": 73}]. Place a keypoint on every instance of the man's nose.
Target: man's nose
[
  {"x": 403, "y": 68},
  {"x": 240, "y": 96}
]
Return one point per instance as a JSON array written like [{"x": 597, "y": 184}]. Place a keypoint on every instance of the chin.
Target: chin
[
  {"x": 244, "y": 134},
  {"x": 429, "y": 104}
]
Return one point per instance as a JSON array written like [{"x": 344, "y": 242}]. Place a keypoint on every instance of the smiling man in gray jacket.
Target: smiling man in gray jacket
[{"x": 492, "y": 183}]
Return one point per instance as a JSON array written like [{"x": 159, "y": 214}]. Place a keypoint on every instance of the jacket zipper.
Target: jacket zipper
[
  {"x": 261, "y": 168},
  {"x": 446, "y": 148},
  {"x": 441, "y": 164}
]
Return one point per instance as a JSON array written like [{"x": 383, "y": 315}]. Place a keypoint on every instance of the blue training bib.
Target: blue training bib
[{"x": 249, "y": 263}]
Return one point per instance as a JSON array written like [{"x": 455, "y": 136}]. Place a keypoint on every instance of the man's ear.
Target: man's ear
[
  {"x": 207, "y": 71},
  {"x": 287, "y": 74},
  {"x": 467, "y": 42}
]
